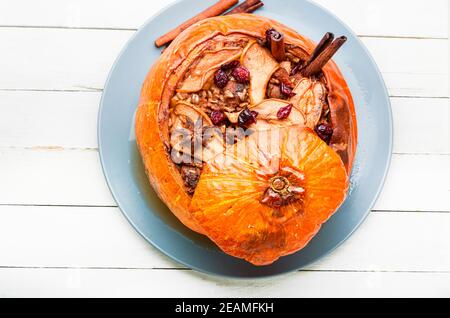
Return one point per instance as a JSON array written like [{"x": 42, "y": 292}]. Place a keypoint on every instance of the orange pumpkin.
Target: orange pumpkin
[
  {"x": 237, "y": 201},
  {"x": 272, "y": 201}
]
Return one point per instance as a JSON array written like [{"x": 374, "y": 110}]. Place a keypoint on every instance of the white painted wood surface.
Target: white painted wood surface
[
  {"x": 79, "y": 59},
  {"x": 61, "y": 233}
]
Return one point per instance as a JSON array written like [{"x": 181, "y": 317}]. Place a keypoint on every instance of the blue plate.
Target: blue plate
[{"x": 150, "y": 217}]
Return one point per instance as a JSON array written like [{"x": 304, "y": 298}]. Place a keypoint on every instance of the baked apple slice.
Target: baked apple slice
[
  {"x": 277, "y": 113},
  {"x": 309, "y": 99},
  {"x": 261, "y": 66},
  {"x": 206, "y": 66}
]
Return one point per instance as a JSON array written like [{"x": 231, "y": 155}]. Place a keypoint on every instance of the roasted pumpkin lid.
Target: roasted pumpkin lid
[{"x": 267, "y": 195}]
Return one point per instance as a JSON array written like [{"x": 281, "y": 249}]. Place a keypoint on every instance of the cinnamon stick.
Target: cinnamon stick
[
  {"x": 323, "y": 57},
  {"x": 277, "y": 46},
  {"x": 324, "y": 42},
  {"x": 247, "y": 6},
  {"x": 254, "y": 7},
  {"x": 216, "y": 9}
]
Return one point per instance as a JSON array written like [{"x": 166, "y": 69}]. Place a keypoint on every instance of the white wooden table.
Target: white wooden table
[{"x": 61, "y": 233}]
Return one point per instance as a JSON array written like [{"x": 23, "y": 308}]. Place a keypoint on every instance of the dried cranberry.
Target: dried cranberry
[
  {"x": 246, "y": 118},
  {"x": 255, "y": 114},
  {"x": 284, "y": 112},
  {"x": 241, "y": 74},
  {"x": 230, "y": 65},
  {"x": 324, "y": 131},
  {"x": 221, "y": 79},
  {"x": 286, "y": 90},
  {"x": 217, "y": 117}
]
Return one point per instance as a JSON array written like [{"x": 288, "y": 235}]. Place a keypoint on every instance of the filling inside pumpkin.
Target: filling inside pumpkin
[{"x": 237, "y": 86}]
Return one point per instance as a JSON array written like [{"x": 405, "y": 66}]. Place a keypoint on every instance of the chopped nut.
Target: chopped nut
[
  {"x": 292, "y": 57},
  {"x": 242, "y": 96},
  {"x": 229, "y": 94},
  {"x": 213, "y": 106},
  {"x": 215, "y": 90},
  {"x": 195, "y": 99},
  {"x": 287, "y": 65},
  {"x": 273, "y": 80},
  {"x": 232, "y": 117}
]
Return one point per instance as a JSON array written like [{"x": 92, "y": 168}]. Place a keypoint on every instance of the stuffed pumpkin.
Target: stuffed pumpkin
[{"x": 247, "y": 131}]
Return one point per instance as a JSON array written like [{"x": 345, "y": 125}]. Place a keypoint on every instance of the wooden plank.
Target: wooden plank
[
  {"x": 369, "y": 17},
  {"x": 421, "y": 125},
  {"x": 48, "y": 119},
  {"x": 73, "y": 237},
  {"x": 40, "y": 282},
  {"x": 392, "y": 18},
  {"x": 74, "y": 177},
  {"x": 102, "y": 238},
  {"x": 69, "y": 120},
  {"x": 417, "y": 183},
  {"x": 58, "y": 59},
  {"x": 52, "y": 176},
  {"x": 408, "y": 64},
  {"x": 68, "y": 59}
]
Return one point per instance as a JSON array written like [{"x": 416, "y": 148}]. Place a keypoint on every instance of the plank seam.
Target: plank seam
[
  {"x": 18, "y": 26},
  {"x": 88, "y": 90},
  {"x": 116, "y": 206},
  {"x": 189, "y": 269}
]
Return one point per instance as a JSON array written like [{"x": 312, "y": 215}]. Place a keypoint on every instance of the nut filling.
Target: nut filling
[{"x": 242, "y": 82}]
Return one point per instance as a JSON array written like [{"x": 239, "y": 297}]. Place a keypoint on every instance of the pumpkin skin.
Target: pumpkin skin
[
  {"x": 152, "y": 132},
  {"x": 227, "y": 201}
]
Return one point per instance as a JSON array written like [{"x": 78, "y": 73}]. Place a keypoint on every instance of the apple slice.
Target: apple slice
[
  {"x": 213, "y": 145},
  {"x": 207, "y": 64},
  {"x": 182, "y": 138},
  {"x": 192, "y": 112},
  {"x": 261, "y": 65},
  {"x": 309, "y": 99},
  {"x": 267, "y": 115}
]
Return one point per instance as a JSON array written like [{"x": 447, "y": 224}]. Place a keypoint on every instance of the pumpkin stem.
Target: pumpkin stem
[{"x": 279, "y": 184}]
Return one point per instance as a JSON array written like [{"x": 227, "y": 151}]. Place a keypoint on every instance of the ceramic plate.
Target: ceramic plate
[{"x": 149, "y": 216}]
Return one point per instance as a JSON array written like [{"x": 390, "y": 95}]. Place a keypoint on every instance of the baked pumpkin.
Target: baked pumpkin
[{"x": 247, "y": 142}]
